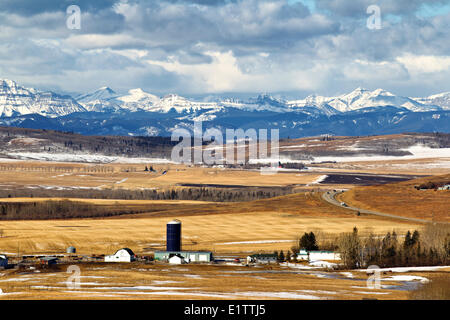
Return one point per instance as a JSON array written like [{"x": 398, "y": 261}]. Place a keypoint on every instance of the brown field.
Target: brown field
[
  {"x": 133, "y": 176},
  {"x": 403, "y": 199},
  {"x": 162, "y": 281},
  {"x": 205, "y": 226},
  {"x": 234, "y": 229}
]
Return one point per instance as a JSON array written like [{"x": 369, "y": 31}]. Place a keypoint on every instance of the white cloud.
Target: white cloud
[
  {"x": 417, "y": 64},
  {"x": 222, "y": 74}
]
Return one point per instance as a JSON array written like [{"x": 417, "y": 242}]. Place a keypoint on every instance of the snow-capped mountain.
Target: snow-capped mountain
[
  {"x": 17, "y": 100},
  {"x": 442, "y": 100},
  {"x": 104, "y": 93},
  {"x": 361, "y": 98},
  {"x": 137, "y": 112}
]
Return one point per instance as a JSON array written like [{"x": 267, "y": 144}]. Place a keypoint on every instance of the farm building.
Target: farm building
[
  {"x": 3, "y": 261},
  {"x": 262, "y": 258},
  {"x": 48, "y": 260},
  {"x": 177, "y": 259},
  {"x": 189, "y": 256},
  {"x": 71, "y": 250},
  {"x": 318, "y": 255},
  {"x": 303, "y": 255},
  {"x": 122, "y": 255},
  {"x": 173, "y": 247}
]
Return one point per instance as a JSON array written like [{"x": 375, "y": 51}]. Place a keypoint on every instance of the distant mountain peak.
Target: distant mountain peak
[{"x": 17, "y": 100}]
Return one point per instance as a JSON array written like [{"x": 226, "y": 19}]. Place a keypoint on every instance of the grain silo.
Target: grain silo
[
  {"x": 71, "y": 250},
  {"x": 174, "y": 235}
]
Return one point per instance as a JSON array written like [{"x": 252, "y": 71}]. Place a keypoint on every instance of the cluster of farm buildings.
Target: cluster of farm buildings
[{"x": 174, "y": 253}]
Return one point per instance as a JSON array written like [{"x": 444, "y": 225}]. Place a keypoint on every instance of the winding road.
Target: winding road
[{"x": 330, "y": 198}]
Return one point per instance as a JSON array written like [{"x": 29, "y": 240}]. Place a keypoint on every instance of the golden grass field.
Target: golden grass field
[
  {"x": 235, "y": 229},
  {"x": 205, "y": 226}
]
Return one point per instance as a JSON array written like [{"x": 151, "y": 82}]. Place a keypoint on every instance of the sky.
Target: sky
[{"x": 290, "y": 48}]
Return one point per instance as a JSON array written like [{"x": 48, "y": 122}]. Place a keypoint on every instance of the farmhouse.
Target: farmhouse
[{"x": 122, "y": 255}]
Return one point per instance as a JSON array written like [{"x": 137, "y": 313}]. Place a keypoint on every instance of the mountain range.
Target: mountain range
[{"x": 105, "y": 112}]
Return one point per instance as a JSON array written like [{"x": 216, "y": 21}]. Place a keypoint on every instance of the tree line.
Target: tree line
[
  {"x": 428, "y": 247},
  {"x": 182, "y": 193},
  {"x": 58, "y": 209},
  {"x": 431, "y": 246}
]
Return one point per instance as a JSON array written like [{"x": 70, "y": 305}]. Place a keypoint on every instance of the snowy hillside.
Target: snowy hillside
[
  {"x": 17, "y": 100},
  {"x": 442, "y": 100}
]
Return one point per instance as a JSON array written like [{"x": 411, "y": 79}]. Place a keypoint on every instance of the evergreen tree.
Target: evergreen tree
[
  {"x": 288, "y": 256},
  {"x": 308, "y": 242},
  {"x": 281, "y": 257},
  {"x": 407, "y": 242}
]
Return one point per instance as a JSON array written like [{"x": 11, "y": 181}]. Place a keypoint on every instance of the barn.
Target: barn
[{"x": 121, "y": 255}]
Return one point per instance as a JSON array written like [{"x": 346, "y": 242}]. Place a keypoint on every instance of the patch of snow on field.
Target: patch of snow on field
[
  {"x": 298, "y": 266},
  {"x": 89, "y": 158},
  {"x": 407, "y": 269},
  {"x": 122, "y": 181},
  {"x": 142, "y": 288},
  {"x": 319, "y": 179},
  {"x": 294, "y": 146},
  {"x": 406, "y": 278},
  {"x": 325, "y": 264},
  {"x": 421, "y": 151},
  {"x": 417, "y": 152},
  {"x": 371, "y": 292},
  {"x": 282, "y": 295},
  {"x": 348, "y": 274}
]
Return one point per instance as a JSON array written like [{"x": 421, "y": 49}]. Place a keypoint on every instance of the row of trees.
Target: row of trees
[
  {"x": 185, "y": 193},
  {"x": 57, "y": 209},
  {"x": 430, "y": 247}
]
